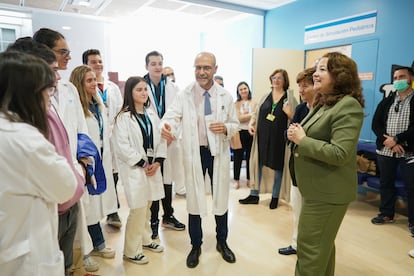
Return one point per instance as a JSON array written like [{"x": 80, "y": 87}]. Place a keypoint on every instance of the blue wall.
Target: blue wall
[{"x": 284, "y": 28}]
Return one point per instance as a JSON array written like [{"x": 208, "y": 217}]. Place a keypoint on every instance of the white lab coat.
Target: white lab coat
[
  {"x": 104, "y": 204},
  {"x": 128, "y": 141},
  {"x": 182, "y": 113},
  {"x": 174, "y": 151},
  {"x": 113, "y": 105},
  {"x": 34, "y": 179},
  {"x": 70, "y": 112}
]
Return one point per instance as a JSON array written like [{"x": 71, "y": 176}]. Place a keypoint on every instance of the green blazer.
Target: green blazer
[{"x": 325, "y": 160}]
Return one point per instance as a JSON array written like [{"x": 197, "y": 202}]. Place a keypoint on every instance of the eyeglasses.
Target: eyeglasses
[
  {"x": 62, "y": 52},
  {"x": 204, "y": 68},
  {"x": 277, "y": 78},
  {"x": 397, "y": 106},
  {"x": 169, "y": 75}
]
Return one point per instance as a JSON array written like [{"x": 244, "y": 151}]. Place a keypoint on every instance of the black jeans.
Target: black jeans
[
  {"x": 246, "y": 141},
  {"x": 388, "y": 171},
  {"x": 166, "y": 202}
]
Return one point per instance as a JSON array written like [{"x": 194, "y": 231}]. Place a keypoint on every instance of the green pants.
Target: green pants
[{"x": 318, "y": 225}]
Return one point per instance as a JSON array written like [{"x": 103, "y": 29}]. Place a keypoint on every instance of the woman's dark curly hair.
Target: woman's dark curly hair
[{"x": 345, "y": 80}]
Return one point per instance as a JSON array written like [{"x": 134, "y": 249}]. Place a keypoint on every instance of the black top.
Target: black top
[
  {"x": 147, "y": 139},
  {"x": 379, "y": 123},
  {"x": 270, "y": 134},
  {"x": 300, "y": 113}
]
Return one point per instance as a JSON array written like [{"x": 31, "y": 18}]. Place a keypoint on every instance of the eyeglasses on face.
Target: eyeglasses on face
[
  {"x": 204, "y": 68},
  {"x": 62, "y": 52},
  {"x": 397, "y": 106},
  {"x": 277, "y": 78}
]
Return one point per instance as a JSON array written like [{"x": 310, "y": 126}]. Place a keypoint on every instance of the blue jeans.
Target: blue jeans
[
  {"x": 98, "y": 240},
  {"x": 277, "y": 182},
  {"x": 388, "y": 172}
]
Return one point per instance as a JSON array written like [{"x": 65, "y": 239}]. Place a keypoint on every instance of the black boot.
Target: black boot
[
  {"x": 273, "y": 203},
  {"x": 251, "y": 199}
]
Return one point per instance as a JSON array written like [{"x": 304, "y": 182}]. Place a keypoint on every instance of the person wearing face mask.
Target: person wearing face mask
[{"x": 393, "y": 124}]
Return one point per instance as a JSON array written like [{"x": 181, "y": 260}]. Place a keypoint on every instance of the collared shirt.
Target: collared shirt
[
  {"x": 397, "y": 122},
  {"x": 199, "y": 104}
]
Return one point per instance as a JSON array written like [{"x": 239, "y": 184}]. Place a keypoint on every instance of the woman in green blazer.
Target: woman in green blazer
[{"x": 325, "y": 161}]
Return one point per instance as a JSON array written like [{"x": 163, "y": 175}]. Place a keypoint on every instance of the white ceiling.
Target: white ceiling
[{"x": 120, "y": 8}]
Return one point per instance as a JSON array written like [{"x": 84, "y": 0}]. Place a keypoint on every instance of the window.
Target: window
[{"x": 7, "y": 36}]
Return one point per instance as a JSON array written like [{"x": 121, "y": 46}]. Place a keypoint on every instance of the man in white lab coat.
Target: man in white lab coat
[
  {"x": 161, "y": 93},
  {"x": 205, "y": 113}
]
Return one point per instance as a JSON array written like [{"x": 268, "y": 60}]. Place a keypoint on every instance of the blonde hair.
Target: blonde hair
[{"x": 76, "y": 78}]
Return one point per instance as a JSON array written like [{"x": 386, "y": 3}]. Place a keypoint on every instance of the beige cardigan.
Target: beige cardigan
[{"x": 267, "y": 173}]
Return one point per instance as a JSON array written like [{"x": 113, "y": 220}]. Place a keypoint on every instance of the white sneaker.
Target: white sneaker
[
  {"x": 107, "y": 253},
  {"x": 411, "y": 253},
  {"x": 154, "y": 247},
  {"x": 90, "y": 264},
  {"x": 138, "y": 259}
]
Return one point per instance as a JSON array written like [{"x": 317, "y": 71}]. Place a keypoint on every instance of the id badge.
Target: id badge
[
  {"x": 270, "y": 117},
  {"x": 150, "y": 154}
]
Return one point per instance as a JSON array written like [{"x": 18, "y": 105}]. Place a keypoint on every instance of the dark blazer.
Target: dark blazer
[
  {"x": 379, "y": 123},
  {"x": 325, "y": 160}
]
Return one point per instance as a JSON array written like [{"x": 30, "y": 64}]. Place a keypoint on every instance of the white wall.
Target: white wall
[
  {"x": 179, "y": 37},
  {"x": 85, "y": 33}
]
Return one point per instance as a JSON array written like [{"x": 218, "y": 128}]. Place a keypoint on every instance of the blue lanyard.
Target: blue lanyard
[
  {"x": 146, "y": 126},
  {"x": 158, "y": 104},
  {"x": 103, "y": 95},
  {"x": 94, "y": 108}
]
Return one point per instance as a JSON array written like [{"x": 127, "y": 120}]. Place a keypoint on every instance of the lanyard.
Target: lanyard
[
  {"x": 158, "y": 104},
  {"x": 94, "y": 108},
  {"x": 146, "y": 126},
  {"x": 103, "y": 95},
  {"x": 273, "y": 107}
]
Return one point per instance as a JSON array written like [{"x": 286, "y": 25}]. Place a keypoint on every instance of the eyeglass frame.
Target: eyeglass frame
[
  {"x": 63, "y": 52},
  {"x": 277, "y": 78},
  {"x": 205, "y": 68}
]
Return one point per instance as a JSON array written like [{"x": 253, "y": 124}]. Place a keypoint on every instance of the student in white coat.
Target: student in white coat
[
  {"x": 34, "y": 177},
  {"x": 207, "y": 126},
  {"x": 112, "y": 99},
  {"x": 67, "y": 211},
  {"x": 84, "y": 79},
  {"x": 161, "y": 93},
  {"x": 141, "y": 152},
  {"x": 67, "y": 104}
]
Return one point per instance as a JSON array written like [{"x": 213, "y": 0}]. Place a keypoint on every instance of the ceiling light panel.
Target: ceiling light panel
[
  {"x": 167, "y": 5},
  {"x": 197, "y": 10}
]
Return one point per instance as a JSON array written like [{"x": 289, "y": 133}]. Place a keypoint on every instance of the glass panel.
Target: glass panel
[{"x": 8, "y": 35}]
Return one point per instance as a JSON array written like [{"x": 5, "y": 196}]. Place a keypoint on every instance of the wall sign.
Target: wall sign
[{"x": 360, "y": 24}]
